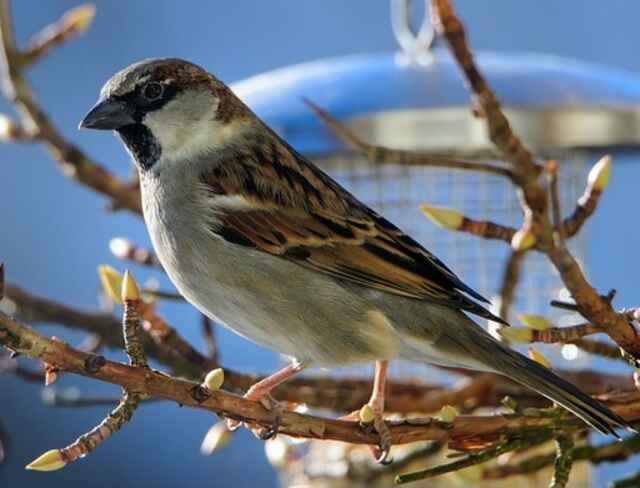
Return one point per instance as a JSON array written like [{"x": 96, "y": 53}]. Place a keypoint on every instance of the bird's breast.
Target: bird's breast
[{"x": 264, "y": 298}]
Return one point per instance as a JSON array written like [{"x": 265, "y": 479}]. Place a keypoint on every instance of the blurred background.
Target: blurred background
[{"x": 55, "y": 233}]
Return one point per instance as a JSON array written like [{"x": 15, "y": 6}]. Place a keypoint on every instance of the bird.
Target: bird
[{"x": 260, "y": 239}]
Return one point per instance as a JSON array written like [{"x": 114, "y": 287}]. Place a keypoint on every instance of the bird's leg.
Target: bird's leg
[
  {"x": 376, "y": 402},
  {"x": 260, "y": 392}
]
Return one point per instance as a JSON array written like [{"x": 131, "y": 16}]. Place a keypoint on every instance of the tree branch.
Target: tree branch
[
  {"x": 615, "y": 451},
  {"x": 72, "y": 161},
  {"x": 588, "y": 202},
  {"x": 510, "y": 279},
  {"x": 72, "y": 23},
  {"x": 563, "y": 461},
  {"x": 467, "y": 432},
  {"x": 380, "y": 154},
  {"x": 534, "y": 197}
]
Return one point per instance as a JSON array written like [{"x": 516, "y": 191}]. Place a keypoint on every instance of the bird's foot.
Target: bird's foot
[
  {"x": 264, "y": 433},
  {"x": 382, "y": 451},
  {"x": 276, "y": 409}
]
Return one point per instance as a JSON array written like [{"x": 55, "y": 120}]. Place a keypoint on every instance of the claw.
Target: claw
[
  {"x": 265, "y": 434},
  {"x": 383, "y": 456},
  {"x": 384, "y": 448},
  {"x": 271, "y": 432}
]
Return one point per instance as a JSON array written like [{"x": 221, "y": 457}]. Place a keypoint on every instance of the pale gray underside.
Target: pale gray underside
[{"x": 276, "y": 303}]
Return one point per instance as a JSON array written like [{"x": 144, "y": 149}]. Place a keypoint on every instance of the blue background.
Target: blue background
[{"x": 54, "y": 233}]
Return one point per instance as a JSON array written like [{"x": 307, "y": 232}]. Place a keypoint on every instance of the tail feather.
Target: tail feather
[
  {"x": 535, "y": 376},
  {"x": 470, "y": 344}
]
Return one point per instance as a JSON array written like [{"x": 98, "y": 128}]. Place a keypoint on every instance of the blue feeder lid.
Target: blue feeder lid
[{"x": 552, "y": 102}]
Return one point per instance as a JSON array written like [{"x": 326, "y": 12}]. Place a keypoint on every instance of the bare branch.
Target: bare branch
[
  {"x": 592, "y": 305},
  {"x": 500, "y": 132},
  {"x": 72, "y": 161},
  {"x": 465, "y": 433},
  {"x": 473, "y": 459},
  {"x": 588, "y": 202},
  {"x": 563, "y": 461},
  {"x": 454, "y": 220},
  {"x": 615, "y": 451},
  {"x": 58, "y": 458},
  {"x": 564, "y": 334},
  {"x": 556, "y": 211},
  {"x": 510, "y": 278},
  {"x": 380, "y": 154},
  {"x": 598, "y": 348},
  {"x": 132, "y": 321},
  {"x": 72, "y": 23}
]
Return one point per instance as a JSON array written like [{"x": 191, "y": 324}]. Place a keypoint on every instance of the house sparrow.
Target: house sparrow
[{"x": 257, "y": 237}]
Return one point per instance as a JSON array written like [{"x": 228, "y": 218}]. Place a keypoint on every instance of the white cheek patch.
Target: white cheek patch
[{"x": 185, "y": 130}]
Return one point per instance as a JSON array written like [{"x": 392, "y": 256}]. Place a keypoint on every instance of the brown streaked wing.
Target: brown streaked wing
[{"x": 326, "y": 229}]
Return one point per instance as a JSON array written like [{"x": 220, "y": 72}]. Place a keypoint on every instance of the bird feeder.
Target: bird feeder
[{"x": 416, "y": 99}]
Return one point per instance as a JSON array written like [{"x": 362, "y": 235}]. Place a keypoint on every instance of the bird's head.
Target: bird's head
[{"x": 167, "y": 110}]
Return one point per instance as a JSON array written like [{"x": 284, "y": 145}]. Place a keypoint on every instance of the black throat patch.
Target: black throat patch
[{"x": 143, "y": 145}]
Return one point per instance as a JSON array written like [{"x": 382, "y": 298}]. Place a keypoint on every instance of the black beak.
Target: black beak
[{"x": 108, "y": 114}]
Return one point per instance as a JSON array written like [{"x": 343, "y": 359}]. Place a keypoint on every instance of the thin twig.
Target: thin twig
[
  {"x": 510, "y": 279},
  {"x": 571, "y": 306},
  {"x": 72, "y": 23},
  {"x": 380, "y": 154},
  {"x": 588, "y": 202},
  {"x": 111, "y": 424},
  {"x": 563, "y": 461},
  {"x": 591, "y": 305},
  {"x": 564, "y": 334},
  {"x": 500, "y": 132},
  {"x": 554, "y": 195},
  {"x": 472, "y": 459},
  {"x": 486, "y": 229},
  {"x": 454, "y": 220},
  {"x": 132, "y": 321},
  {"x": 72, "y": 161},
  {"x": 615, "y": 451},
  {"x": 598, "y": 348}
]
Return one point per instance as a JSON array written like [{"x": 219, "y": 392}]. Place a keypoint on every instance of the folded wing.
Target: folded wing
[{"x": 285, "y": 206}]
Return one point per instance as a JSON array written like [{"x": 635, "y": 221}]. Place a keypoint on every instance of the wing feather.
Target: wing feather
[{"x": 296, "y": 212}]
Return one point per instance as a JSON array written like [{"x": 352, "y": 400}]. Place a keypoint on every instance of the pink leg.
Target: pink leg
[
  {"x": 263, "y": 387},
  {"x": 376, "y": 402},
  {"x": 260, "y": 392}
]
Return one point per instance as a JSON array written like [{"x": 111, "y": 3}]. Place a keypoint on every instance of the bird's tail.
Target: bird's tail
[
  {"x": 503, "y": 360},
  {"x": 535, "y": 376}
]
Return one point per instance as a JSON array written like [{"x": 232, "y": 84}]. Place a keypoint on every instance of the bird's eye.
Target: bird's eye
[{"x": 152, "y": 91}]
